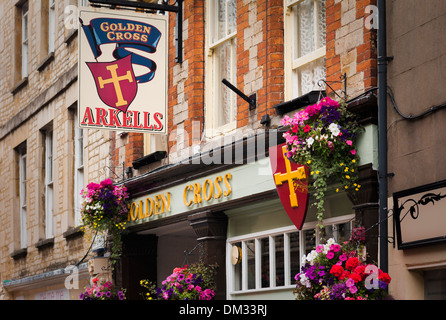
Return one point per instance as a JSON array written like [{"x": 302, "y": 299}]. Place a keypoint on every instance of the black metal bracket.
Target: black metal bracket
[
  {"x": 343, "y": 79},
  {"x": 178, "y": 9},
  {"x": 252, "y": 99}
]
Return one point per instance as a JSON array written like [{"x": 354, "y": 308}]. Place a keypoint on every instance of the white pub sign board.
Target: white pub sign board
[{"x": 122, "y": 70}]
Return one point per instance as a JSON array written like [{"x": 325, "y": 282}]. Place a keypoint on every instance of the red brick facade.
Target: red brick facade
[{"x": 350, "y": 49}]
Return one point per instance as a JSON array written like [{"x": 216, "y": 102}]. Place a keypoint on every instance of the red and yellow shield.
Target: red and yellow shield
[
  {"x": 115, "y": 82},
  {"x": 291, "y": 181}
]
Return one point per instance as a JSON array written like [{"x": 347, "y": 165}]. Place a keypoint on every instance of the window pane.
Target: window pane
[
  {"x": 294, "y": 254},
  {"x": 280, "y": 263},
  {"x": 344, "y": 232},
  {"x": 309, "y": 76},
  {"x": 309, "y": 241},
  {"x": 226, "y": 22},
  {"x": 237, "y": 272},
  {"x": 225, "y": 69},
  {"x": 305, "y": 27},
  {"x": 232, "y": 16},
  {"x": 265, "y": 262},
  {"x": 321, "y": 24},
  {"x": 251, "y": 254},
  {"x": 327, "y": 233},
  {"x": 435, "y": 284}
]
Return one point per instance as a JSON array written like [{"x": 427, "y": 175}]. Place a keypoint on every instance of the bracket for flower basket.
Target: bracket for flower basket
[
  {"x": 189, "y": 253},
  {"x": 343, "y": 79}
]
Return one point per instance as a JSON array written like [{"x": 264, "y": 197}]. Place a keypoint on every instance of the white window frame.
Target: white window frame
[
  {"x": 22, "y": 199},
  {"x": 25, "y": 41},
  {"x": 213, "y": 98},
  {"x": 51, "y": 25},
  {"x": 270, "y": 234},
  {"x": 49, "y": 176},
  {"x": 78, "y": 170},
  {"x": 293, "y": 63},
  {"x": 82, "y": 3}
]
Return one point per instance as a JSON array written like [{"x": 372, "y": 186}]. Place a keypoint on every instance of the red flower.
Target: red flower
[
  {"x": 384, "y": 277},
  {"x": 307, "y": 128},
  {"x": 360, "y": 270},
  {"x": 351, "y": 263},
  {"x": 355, "y": 277},
  {"x": 336, "y": 270},
  {"x": 95, "y": 280},
  {"x": 295, "y": 129},
  {"x": 344, "y": 275}
]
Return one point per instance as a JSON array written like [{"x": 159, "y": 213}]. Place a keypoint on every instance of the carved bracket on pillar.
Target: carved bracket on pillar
[{"x": 209, "y": 225}]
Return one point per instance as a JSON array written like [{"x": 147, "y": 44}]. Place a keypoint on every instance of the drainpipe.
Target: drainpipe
[{"x": 382, "y": 135}]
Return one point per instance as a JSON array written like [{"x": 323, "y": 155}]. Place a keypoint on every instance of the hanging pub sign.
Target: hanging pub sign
[
  {"x": 291, "y": 181},
  {"x": 122, "y": 70},
  {"x": 419, "y": 215}
]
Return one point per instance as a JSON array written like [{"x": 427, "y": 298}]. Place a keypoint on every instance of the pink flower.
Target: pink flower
[
  {"x": 342, "y": 257},
  {"x": 330, "y": 255},
  {"x": 353, "y": 152},
  {"x": 349, "y": 142},
  {"x": 198, "y": 288},
  {"x": 319, "y": 249},
  {"x": 335, "y": 247},
  {"x": 353, "y": 289},
  {"x": 106, "y": 183},
  {"x": 286, "y": 121},
  {"x": 350, "y": 283}
]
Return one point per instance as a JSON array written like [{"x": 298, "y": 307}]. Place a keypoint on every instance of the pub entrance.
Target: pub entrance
[{"x": 152, "y": 254}]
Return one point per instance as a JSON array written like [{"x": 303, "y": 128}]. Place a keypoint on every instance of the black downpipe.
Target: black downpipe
[{"x": 382, "y": 135}]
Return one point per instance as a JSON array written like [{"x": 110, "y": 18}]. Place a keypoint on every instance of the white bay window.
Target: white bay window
[{"x": 270, "y": 260}]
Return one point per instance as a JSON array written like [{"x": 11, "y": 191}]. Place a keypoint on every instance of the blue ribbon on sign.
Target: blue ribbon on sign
[{"x": 126, "y": 34}]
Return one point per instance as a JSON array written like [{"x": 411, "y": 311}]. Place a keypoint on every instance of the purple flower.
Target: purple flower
[
  {"x": 180, "y": 277},
  {"x": 382, "y": 285},
  {"x": 338, "y": 291}
]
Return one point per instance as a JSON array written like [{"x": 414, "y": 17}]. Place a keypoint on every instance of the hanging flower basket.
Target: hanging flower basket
[
  {"x": 193, "y": 282},
  {"x": 322, "y": 137},
  {"x": 338, "y": 272},
  {"x": 105, "y": 211},
  {"x": 102, "y": 291}
]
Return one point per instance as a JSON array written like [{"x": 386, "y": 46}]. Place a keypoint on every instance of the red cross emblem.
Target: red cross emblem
[
  {"x": 291, "y": 181},
  {"x": 115, "y": 82}
]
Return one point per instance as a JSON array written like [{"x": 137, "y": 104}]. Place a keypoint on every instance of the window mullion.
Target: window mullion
[
  {"x": 244, "y": 266},
  {"x": 272, "y": 262},
  {"x": 258, "y": 264},
  {"x": 286, "y": 258}
]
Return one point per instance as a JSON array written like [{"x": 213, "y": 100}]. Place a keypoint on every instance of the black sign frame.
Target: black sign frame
[{"x": 411, "y": 208}]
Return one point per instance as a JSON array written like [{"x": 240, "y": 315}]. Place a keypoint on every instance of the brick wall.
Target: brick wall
[
  {"x": 351, "y": 46},
  {"x": 186, "y": 80}
]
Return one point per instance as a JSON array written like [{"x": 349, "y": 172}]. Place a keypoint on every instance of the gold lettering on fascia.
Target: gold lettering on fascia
[{"x": 196, "y": 193}]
